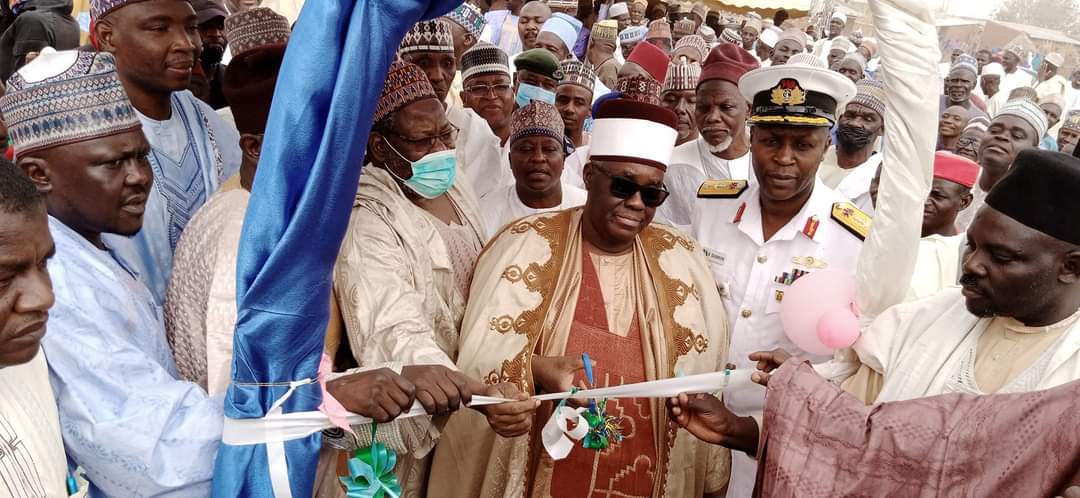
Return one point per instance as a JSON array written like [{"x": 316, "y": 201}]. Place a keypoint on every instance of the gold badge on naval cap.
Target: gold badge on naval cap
[{"x": 788, "y": 92}]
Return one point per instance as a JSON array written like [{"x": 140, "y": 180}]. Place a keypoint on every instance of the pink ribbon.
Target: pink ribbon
[{"x": 330, "y": 405}]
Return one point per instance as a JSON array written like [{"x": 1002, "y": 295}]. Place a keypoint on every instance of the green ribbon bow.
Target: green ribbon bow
[{"x": 371, "y": 472}]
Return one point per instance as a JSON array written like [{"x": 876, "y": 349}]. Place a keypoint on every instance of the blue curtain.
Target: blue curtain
[{"x": 330, "y": 81}]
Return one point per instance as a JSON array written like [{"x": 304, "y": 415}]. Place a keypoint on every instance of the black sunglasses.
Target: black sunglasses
[{"x": 624, "y": 188}]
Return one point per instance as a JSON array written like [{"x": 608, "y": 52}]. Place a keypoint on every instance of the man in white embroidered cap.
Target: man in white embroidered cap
[
  {"x": 761, "y": 238},
  {"x": 605, "y": 280}
]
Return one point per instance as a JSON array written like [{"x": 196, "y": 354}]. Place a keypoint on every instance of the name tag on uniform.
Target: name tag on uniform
[{"x": 715, "y": 258}]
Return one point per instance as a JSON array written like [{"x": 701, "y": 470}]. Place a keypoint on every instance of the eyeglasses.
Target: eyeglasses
[
  {"x": 480, "y": 91},
  {"x": 447, "y": 137},
  {"x": 625, "y": 188}
]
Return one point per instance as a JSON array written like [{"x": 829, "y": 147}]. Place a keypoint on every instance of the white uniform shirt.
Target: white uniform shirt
[
  {"x": 691, "y": 164},
  {"x": 752, "y": 275},
  {"x": 853, "y": 183}
]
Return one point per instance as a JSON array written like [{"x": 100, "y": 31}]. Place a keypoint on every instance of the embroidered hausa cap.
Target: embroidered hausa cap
[
  {"x": 484, "y": 58},
  {"x": 1071, "y": 121},
  {"x": 727, "y": 62},
  {"x": 575, "y": 72},
  {"x": 682, "y": 28},
  {"x": 567, "y": 6},
  {"x": 694, "y": 43},
  {"x": 1028, "y": 111},
  {"x": 428, "y": 36},
  {"x": 795, "y": 94},
  {"x": 66, "y": 97},
  {"x": 633, "y": 34},
  {"x": 406, "y": 83},
  {"x": 640, "y": 88},
  {"x": 468, "y": 16},
  {"x": 870, "y": 93},
  {"x": 636, "y": 132},
  {"x": 537, "y": 118},
  {"x": 101, "y": 8},
  {"x": 606, "y": 30},
  {"x": 659, "y": 29},
  {"x": 256, "y": 28},
  {"x": 682, "y": 75}
]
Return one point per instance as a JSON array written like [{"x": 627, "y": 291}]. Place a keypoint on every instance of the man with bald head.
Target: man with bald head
[{"x": 950, "y": 126}]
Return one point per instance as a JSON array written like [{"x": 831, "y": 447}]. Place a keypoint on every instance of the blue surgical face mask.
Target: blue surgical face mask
[
  {"x": 527, "y": 93},
  {"x": 432, "y": 175}
]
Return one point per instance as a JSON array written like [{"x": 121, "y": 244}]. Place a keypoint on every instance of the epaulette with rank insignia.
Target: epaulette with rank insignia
[
  {"x": 852, "y": 219},
  {"x": 722, "y": 189}
]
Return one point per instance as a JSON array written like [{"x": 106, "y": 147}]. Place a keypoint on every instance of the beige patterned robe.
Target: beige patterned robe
[{"x": 524, "y": 293}]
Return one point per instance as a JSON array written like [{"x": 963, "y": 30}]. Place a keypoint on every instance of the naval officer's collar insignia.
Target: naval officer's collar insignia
[
  {"x": 788, "y": 92},
  {"x": 852, "y": 219}
]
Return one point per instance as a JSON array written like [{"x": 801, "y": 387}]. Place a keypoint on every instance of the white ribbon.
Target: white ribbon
[
  {"x": 557, "y": 439},
  {"x": 277, "y": 427}
]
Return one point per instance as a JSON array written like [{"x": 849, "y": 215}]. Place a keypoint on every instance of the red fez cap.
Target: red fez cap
[
  {"x": 956, "y": 169},
  {"x": 727, "y": 62},
  {"x": 652, "y": 59}
]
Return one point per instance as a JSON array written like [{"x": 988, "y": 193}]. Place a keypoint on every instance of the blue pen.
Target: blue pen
[{"x": 589, "y": 379}]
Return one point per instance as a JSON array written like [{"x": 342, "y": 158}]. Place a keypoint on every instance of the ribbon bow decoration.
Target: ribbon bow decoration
[{"x": 371, "y": 472}]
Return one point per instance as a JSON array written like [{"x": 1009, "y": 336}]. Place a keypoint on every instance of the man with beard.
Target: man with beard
[
  {"x": 950, "y": 126},
  {"x": 574, "y": 98},
  {"x": 721, "y": 151},
  {"x": 958, "y": 86},
  {"x": 850, "y": 165},
  {"x": 761, "y": 238},
  {"x": 536, "y": 160},
  {"x": 192, "y": 149},
  {"x": 211, "y": 15},
  {"x": 533, "y": 16},
  {"x": 1020, "y": 125}
]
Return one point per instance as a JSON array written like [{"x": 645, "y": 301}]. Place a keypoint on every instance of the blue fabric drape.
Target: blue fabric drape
[{"x": 330, "y": 81}]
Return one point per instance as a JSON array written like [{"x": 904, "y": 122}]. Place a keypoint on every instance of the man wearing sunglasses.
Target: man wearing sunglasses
[
  {"x": 603, "y": 279},
  {"x": 762, "y": 237}
]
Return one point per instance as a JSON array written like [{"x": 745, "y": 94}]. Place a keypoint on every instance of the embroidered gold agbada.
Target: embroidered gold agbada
[{"x": 523, "y": 301}]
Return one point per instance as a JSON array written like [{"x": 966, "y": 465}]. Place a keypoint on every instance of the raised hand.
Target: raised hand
[
  {"x": 439, "y": 389},
  {"x": 509, "y": 419},
  {"x": 380, "y": 394}
]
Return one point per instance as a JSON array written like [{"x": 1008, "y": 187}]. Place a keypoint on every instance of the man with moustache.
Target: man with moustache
[
  {"x": 680, "y": 96},
  {"x": 466, "y": 25},
  {"x": 127, "y": 419},
  {"x": 1019, "y": 125},
  {"x": 192, "y": 150},
  {"x": 533, "y": 16},
  {"x": 721, "y": 151},
  {"x": 762, "y": 238},
  {"x": 487, "y": 88},
  {"x": 850, "y": 165},
  {"x": 35, "y": 464}
]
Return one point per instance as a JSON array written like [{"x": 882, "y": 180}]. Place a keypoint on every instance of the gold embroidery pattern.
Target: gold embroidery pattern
[
  {"x": 537, "y": 278},
  {"x": 672, "y": 293}
]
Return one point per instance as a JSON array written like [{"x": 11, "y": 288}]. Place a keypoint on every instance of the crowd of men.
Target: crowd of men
[{"x": 639, "y": 181}]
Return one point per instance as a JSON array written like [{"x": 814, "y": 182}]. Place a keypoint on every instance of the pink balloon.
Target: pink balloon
[
  {"x": 838, "y": 328},
  {"x": 808, "y": 300}
]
